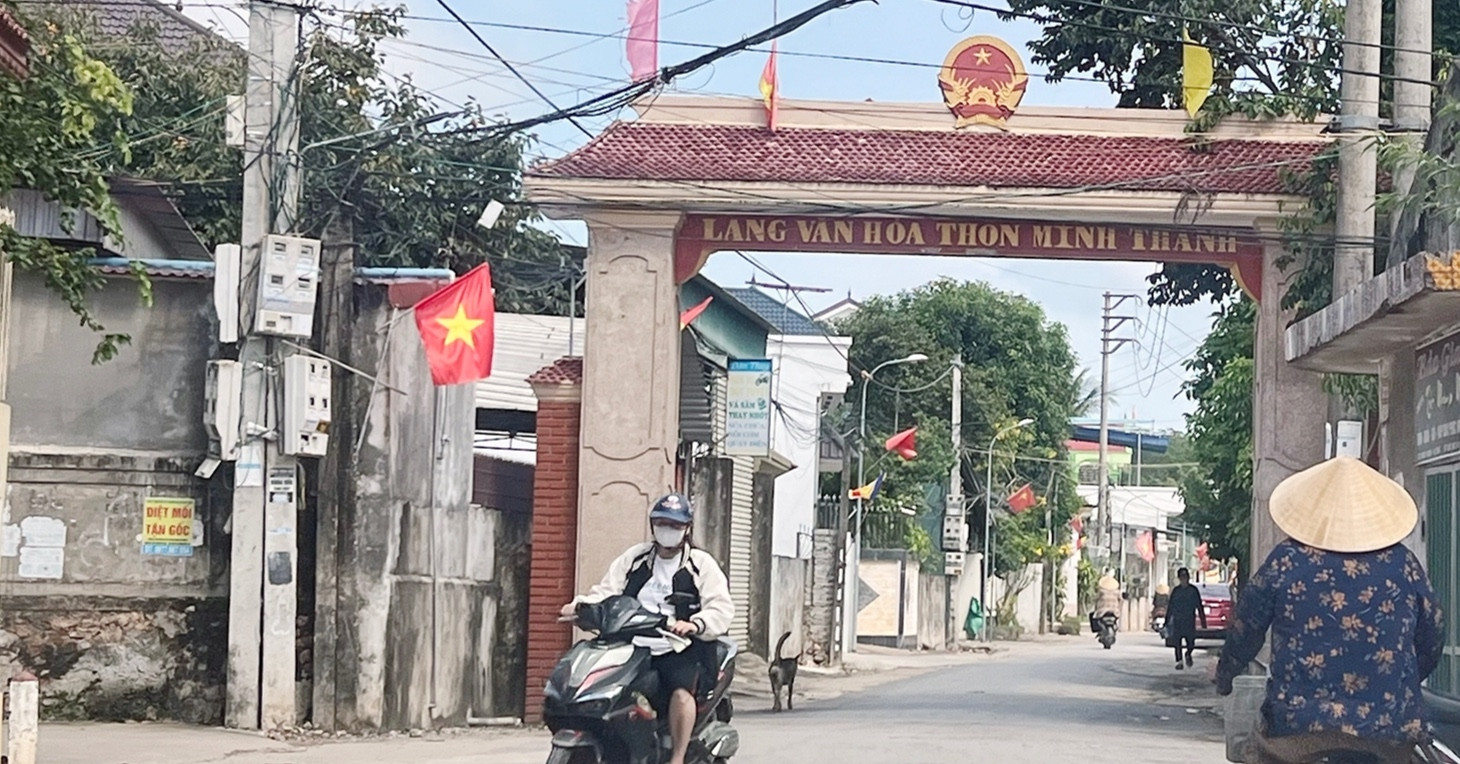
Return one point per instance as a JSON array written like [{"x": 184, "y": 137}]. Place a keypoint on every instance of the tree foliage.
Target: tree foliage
[
  {"x": 399, "y": 164},
  {"x": 51, "y": 125},
  {"x": 1218, "y": 492},
  {"x": 1017, "y": 364}
]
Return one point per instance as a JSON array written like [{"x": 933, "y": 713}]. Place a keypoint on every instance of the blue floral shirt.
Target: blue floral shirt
[{"x": 1353, "y": 636}]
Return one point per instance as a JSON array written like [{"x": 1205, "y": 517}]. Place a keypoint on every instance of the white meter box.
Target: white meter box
[
  {"x": 288, "y": 286},
  {"x": 222, "y": 387},
  {"x": 955, "y": 533},
  {"x": 952, "y": 563},
  {"x": 305, "y": 429}
]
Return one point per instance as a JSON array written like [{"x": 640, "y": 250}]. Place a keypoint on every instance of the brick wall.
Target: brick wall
[{"x": 554, "y": 524}]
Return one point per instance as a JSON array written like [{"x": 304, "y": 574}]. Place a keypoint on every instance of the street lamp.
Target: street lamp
[
  {"x": 852, "y": 589},
  {"x": 988, "y": 521}
]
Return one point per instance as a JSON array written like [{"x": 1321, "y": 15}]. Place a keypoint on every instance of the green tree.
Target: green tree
[
  {"x": 1018, "y": 364},
  {"x": 51, "y": 124},
  {"x": 403, "y": 167},
  {"x": 1218, "y": 492}
]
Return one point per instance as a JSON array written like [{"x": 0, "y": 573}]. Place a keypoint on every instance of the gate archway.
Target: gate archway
[{"x": 696, "y": 175}]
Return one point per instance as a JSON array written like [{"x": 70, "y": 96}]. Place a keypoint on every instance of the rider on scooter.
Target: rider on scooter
[
  {"x": 1108, "y": 601},
  {"x": 651, "y": 572}
]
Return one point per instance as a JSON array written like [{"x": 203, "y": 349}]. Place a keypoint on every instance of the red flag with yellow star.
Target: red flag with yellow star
[{"x": 456, "y": 324}]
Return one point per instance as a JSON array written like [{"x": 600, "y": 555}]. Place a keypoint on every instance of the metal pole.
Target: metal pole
[
  {"x": 854, "y": 548},
  {"x": 988, "y": 522},
  {"x": 955, "y": 498}
]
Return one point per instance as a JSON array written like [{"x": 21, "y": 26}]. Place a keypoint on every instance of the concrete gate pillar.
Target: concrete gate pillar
[
  {"x": 630, "y": 424},
  {"x": 1290, "y": 408}
]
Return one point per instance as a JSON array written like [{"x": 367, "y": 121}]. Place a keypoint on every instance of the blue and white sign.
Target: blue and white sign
[{"x": 748, "y": 408}]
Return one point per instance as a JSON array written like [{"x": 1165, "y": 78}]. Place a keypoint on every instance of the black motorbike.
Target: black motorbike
[
  {"x": 1107, "y": 623},
  {"x": 597, "y": 701}
]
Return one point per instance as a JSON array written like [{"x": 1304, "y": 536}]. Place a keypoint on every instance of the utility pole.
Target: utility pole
[
  {"x": 954, "y": 507},
  {"x": 1413, "y": 70},
  {"x": 1358, "y": 125},
  {"x": 1109, "y": 343},
  {"x": 843, "y": 518},
  {"x": 261, "y": 655}
]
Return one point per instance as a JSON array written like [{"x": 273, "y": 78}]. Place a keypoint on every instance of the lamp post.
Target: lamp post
[
  {"x": 988, "y": 522},
  {"x": 852, "y": 586}
]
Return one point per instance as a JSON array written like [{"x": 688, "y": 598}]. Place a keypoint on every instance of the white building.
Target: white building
[{"x": 807, "y": 364}]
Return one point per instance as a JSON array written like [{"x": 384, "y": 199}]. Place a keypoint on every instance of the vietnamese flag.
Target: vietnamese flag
[
  {"x": 456, "y": 324},
  {"x": 904, "y": 444},
  {"x": 687, "y": 317},
  {"x": 1022, "y": 499}
]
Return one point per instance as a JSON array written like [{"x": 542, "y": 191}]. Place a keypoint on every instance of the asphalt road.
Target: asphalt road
[
  {"x": 1067, "y": 701},
  {"x": 1048, "y": 703}
]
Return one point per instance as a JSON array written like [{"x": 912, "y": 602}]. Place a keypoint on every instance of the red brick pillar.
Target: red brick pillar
[{"x": 559, "y": 390}]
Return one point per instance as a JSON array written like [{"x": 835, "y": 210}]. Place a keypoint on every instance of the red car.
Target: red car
[{"x": 1217, "y": 600}]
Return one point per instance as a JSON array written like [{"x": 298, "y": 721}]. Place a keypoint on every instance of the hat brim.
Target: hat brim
[{"x": 1343, "y": 505}]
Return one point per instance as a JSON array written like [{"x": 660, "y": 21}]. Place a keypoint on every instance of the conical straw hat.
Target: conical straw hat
[
  {"x": 1108, "y": 583},
  {"x": 1343, "y": 505}
]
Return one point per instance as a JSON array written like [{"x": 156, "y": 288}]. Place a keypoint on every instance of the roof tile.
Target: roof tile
[
  {"x": 564, "y": 371},
  {"x": 731, "y": 153}
]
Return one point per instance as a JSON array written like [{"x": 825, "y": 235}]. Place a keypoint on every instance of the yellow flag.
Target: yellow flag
[{"x": 1196, "y": 74}]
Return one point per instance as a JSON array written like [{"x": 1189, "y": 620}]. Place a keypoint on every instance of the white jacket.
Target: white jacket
[{"x": 717, "y": 610}]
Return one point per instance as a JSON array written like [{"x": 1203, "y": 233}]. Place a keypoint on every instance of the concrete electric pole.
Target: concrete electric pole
[
  {"x": 1109, "y": 343},
  {"x": 955, "y": 512},
  {"x": 261, "y": 654}
]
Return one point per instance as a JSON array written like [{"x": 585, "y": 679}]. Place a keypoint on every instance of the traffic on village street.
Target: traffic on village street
[{"x": 712, "y": 382}]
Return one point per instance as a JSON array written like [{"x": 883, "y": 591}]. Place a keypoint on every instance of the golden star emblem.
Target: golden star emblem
[
  {"x": 982, "y": 56},
  {"x": 460, "y": 328}
]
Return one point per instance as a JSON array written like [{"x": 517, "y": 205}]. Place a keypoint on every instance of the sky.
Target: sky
[{"x": 573, "y": 50}]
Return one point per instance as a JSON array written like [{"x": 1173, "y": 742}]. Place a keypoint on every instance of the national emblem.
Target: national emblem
[{"x": 983, "y": 81}]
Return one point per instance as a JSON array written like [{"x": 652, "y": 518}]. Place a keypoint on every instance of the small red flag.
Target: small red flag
[
  {"x": 1022, "y": 499},
  {"x": 770, "y": 89},
  {"x": 1146, "y": 545},
  {"x": 457, "y": 327},
  {"x": 904, "y": 444},
  {"x": 689, "y": 315},
  {"x": 642, "y": 46}
]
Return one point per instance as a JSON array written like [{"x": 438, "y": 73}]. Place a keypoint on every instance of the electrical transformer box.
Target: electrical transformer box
[
  {"x": 305, "y": 427},
  {"x": 288, "y": 286},
  {"x": 222, "y": 388}
]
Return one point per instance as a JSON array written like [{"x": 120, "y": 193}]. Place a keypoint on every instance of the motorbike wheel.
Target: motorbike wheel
[
  {"x": 572, "y": 756},
  {"x": 1107, "y": 645}
]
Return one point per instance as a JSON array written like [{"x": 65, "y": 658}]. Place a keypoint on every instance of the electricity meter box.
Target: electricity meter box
[
  {"x": 222, "y": 388},
  {"x": 305, "y": 427},
  {"x": 955, "y": 533},
  {"x": 288, "y": 286},
  {"x": 952, "y": 563}
]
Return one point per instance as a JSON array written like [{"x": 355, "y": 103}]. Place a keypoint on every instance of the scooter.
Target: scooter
[
  {"x": 1107, "y": 629},
  {"x": 597, "y": 699}
]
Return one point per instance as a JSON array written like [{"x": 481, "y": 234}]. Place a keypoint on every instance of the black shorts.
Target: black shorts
[{"x": 683, "y": 670}]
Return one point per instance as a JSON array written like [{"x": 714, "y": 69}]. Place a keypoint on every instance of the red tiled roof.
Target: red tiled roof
[
  {"x": 14, "y": 45},
  {"x": 564, "y": 371},
  {"x": 727, "y": 153}
]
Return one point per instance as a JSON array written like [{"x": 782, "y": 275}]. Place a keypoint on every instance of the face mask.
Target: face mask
[{"x": 667, "y": 537}]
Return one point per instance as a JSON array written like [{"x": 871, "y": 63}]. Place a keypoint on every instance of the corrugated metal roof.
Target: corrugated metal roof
[{"x": 524, "y": 344}]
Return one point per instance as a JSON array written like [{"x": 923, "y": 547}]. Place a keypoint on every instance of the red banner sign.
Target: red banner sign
[{"x": 702, "y": 235}]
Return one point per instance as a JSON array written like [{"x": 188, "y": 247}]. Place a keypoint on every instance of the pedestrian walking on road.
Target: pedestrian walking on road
[
  {"x": 1182, "y": 610},
  {"x": 1355, "y": 626}
]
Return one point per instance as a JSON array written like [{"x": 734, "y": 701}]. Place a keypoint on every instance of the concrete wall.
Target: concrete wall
[
  {"x": 889, "y": 591},
  {"x": 111, "y": 632},
  {"x": 804, "y": 368},
  {"x": 789, "y": 577},
  {"x": 416, "y": 572},
  {"x": 932, "y": 624}
]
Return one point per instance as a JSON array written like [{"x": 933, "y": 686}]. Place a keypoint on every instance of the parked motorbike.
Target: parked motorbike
[
  {"x": 1108, "y": 623},
  {"x": 597, "y": 700}
]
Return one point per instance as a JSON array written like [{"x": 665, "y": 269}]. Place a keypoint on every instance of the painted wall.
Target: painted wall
[
  {"x": 803, "y": 369},
  {"x": 112, "y": 633}
]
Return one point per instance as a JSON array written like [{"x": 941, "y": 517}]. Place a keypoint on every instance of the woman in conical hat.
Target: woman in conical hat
[{"x": 1354, "y": 622}]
